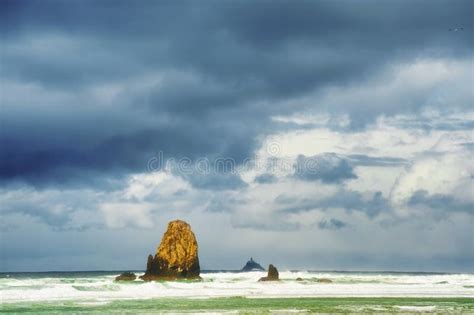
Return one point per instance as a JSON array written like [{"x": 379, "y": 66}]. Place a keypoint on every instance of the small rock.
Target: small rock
[
  {"x": 272, "y": 274},
  {"x": 126, "y": 276},
  {"x": 324, "y": 280},
  {"x": 299, "y": 279}
]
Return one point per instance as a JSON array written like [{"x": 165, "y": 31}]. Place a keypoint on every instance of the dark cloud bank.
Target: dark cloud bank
[
  {"x": 226, "y": 68},
  {"x": 92, "y": 90}
]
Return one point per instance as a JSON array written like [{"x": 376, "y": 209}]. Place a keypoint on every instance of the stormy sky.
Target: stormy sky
[{"x": 308, "y": 134}]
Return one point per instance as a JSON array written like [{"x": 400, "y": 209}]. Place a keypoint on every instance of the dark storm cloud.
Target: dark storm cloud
[
  {"x": 333, "y": 168},
  {"x": 327, "y": 168},
  {"x": 349, "y": 200},
  {"x": 225, "y": 69},
  {"x": 354, "y": 201},
  {"x": 444, "y": 203},
  {"x": 468, "y": 145},
  {"x": 216, "y": 181},
  {"x": 266, "y": 179},
  {"x": 445, "y": 123},
  {"x": 332, "y": 224},
  {"x": 218, "y": 174},
  {"x": 60, "y": 210},
  {"x": 221, "y": 203}
]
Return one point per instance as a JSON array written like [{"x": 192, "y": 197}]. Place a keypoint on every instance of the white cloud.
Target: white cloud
[
  {"x": 122, "y": 214},
  {"x": 447, "y": 174}
]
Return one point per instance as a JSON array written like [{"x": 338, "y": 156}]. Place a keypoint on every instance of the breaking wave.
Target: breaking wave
[{"x": 97, "y": 286}]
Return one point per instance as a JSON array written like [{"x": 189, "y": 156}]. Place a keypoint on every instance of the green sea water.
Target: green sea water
[
  {"x": 234, "y": 292},
  {"x": 242, "y": 305}
]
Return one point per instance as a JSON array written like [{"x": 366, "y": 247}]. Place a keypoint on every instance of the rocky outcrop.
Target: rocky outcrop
[
  {"x": 272, "y": 274},
  {"x": 324, "y": 280},
  {"x": 252, "y": 265},
  {"x": 126, "y": 276},
  {"x": 177, "y": 255}
]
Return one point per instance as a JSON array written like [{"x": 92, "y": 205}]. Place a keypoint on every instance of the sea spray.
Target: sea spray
[{"x": 102, "y": 287}]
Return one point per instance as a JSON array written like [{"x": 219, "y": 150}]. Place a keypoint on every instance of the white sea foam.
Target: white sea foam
[{"x": 225, "y": 284}]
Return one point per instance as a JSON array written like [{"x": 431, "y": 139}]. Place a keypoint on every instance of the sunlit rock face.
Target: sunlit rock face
[{"x": 177, "y": 255}]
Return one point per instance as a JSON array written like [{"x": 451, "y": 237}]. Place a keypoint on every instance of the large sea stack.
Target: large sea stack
[{"x": 177, "y": 255}]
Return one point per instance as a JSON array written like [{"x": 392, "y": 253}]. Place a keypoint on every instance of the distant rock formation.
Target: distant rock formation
[
  {"x": 126, "y": 276},
  {"x": 252, "y": 265},
  {"x": 272, "y": 274},
  {"x": 177, "y": 255},
  {"x": 299, "y": 279}
]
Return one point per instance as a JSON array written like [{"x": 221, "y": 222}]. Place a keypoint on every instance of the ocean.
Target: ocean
[{"x": 238, "y": 292}]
